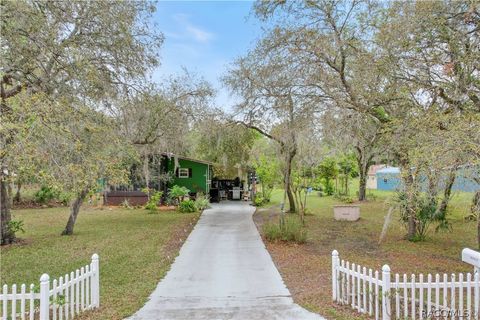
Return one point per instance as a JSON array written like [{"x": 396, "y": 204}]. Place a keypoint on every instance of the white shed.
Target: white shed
[{"x": 372, "y": 178}]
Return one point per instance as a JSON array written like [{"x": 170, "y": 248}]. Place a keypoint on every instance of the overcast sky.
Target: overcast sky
[{"x": 204, "y": 37}]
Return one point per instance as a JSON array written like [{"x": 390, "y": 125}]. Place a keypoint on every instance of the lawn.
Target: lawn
[
  {"x": 306, "y": 268},
  {"x": 135, "y": 249}
]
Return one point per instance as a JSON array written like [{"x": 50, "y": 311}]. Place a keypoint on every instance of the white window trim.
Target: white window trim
[{"x": 183, "y": 173}]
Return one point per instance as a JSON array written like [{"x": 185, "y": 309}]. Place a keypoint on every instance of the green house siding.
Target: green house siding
[{"x": 200, "y": 175}]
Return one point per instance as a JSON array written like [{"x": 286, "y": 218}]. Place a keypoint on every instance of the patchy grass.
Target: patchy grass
[
  {"x": 306, "y": 268},
  {"x": 135, "y": 249},
  {"x": 291, "y": 230}
]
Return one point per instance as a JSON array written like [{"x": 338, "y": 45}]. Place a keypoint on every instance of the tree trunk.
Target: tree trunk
[
  {"x": 10, "y": 194},
  {"x": 346, "y": 184},
  {"x": 17, "y": 197},
  {"x": 478, "y": 219},
  {"x": 447, "y": 192},
  {"x": 146, "y": 173},
  {"x": 410, "y": 207},
  {"x": 363, "y": 162},
  {"x": 304, "y": 205},
  {"x": 363, "y": 171},
  {"x": 476, "y": 211},
  {"x": 74, "y": 210},
  {"x": 288, "y": 173},
  {"x": 362, "y": 187},
  {"x": 7, "y": 237}
]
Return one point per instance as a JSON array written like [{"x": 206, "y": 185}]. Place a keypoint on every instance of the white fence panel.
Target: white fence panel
[
  {"x": 455, "y": 296},
  {"x": 67, "y": 297}
]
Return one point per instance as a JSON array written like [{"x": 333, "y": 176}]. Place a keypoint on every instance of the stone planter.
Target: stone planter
[{"x": 346, "y": 212}]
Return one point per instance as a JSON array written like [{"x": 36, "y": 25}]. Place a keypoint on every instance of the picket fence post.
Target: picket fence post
[
  {"x": 96, "y": 281},
  {"x": 44, "y": 297},
  {"x": 477, "y": 295},
  {"x": 335, "y": 263},
  {"x": 386, "y": 292}
]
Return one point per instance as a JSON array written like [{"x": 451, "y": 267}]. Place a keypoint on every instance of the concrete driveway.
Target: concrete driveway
[{"x": 223, "y": 272}]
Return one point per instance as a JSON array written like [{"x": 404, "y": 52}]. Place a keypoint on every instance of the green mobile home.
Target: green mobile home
[{"x": 193, "y": 174}]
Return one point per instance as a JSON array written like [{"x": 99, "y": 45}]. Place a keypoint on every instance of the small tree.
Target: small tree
[
  {"x": 347, "y": 167},
  {"x": 73, "y": 155},
  {"x": 178, "y": 194},
  {"x": 267, "y": 170},
  {"x": 302, "y": 179},
  {"x": 328, "y": 171}
]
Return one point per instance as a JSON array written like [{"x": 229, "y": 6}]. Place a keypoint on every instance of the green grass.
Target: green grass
[
  {"x": 306, "y": 269},
  {"x": 135, "y": 249}
]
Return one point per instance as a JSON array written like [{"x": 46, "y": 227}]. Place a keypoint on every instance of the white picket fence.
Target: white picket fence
[
  {"x": 416, "y": 297},
  {"x": 63, "y": 299}
]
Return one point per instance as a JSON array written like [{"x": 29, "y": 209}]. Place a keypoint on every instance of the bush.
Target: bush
[
  {"x": 291, "y": 230},
  {"x": 178, "y": 193},
  {"x": 15, "y": 226},
  {"x": 153, "y": 202},
  {"x": 344, "y": 198},
  {"x": 45, "y": 194},
  {"x": 259, "y": 200},
  {"x": 64, "y": 198},
  {"x": 329, "y": 187},
  {"x": 426, "y": 214},
  {"x": 187, "y": 206},
  {"x": 202, "y": 202}
]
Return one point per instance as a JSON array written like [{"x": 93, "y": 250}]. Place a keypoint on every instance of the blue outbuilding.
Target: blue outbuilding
[
  {"x": 388, "y": 178},
  {"x": 466, "y": 179}
]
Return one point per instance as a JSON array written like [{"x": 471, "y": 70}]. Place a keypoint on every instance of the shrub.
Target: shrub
[
  {"x": 291, "y": 230},
  {"x": 45, "y": 194},
  {"x": 202, "y": 202},
  {"x": 344, "y": 198},
  {"x": 153, "y": 202},
  {"x": 15, "y": 226},
  {"x": 64, "y": 198},
  {"x": 425, "y": 214},
  {"x": 329, "y": 187},
  {"x": 259, "y": 200},
  {"x": 187, "y": 206},
  {"x": 178, "y": 193}
]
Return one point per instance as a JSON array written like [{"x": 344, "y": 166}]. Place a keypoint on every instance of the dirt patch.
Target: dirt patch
[
  {"x": 18, "y": 242},
  {"x": 178, "y": 237},
  {"x": 30, "y": 204}
]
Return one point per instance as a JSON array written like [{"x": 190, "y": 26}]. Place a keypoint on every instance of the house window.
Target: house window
[
  {"x": 183, "y": 173},
  {"x": 385, "y": 180}
]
